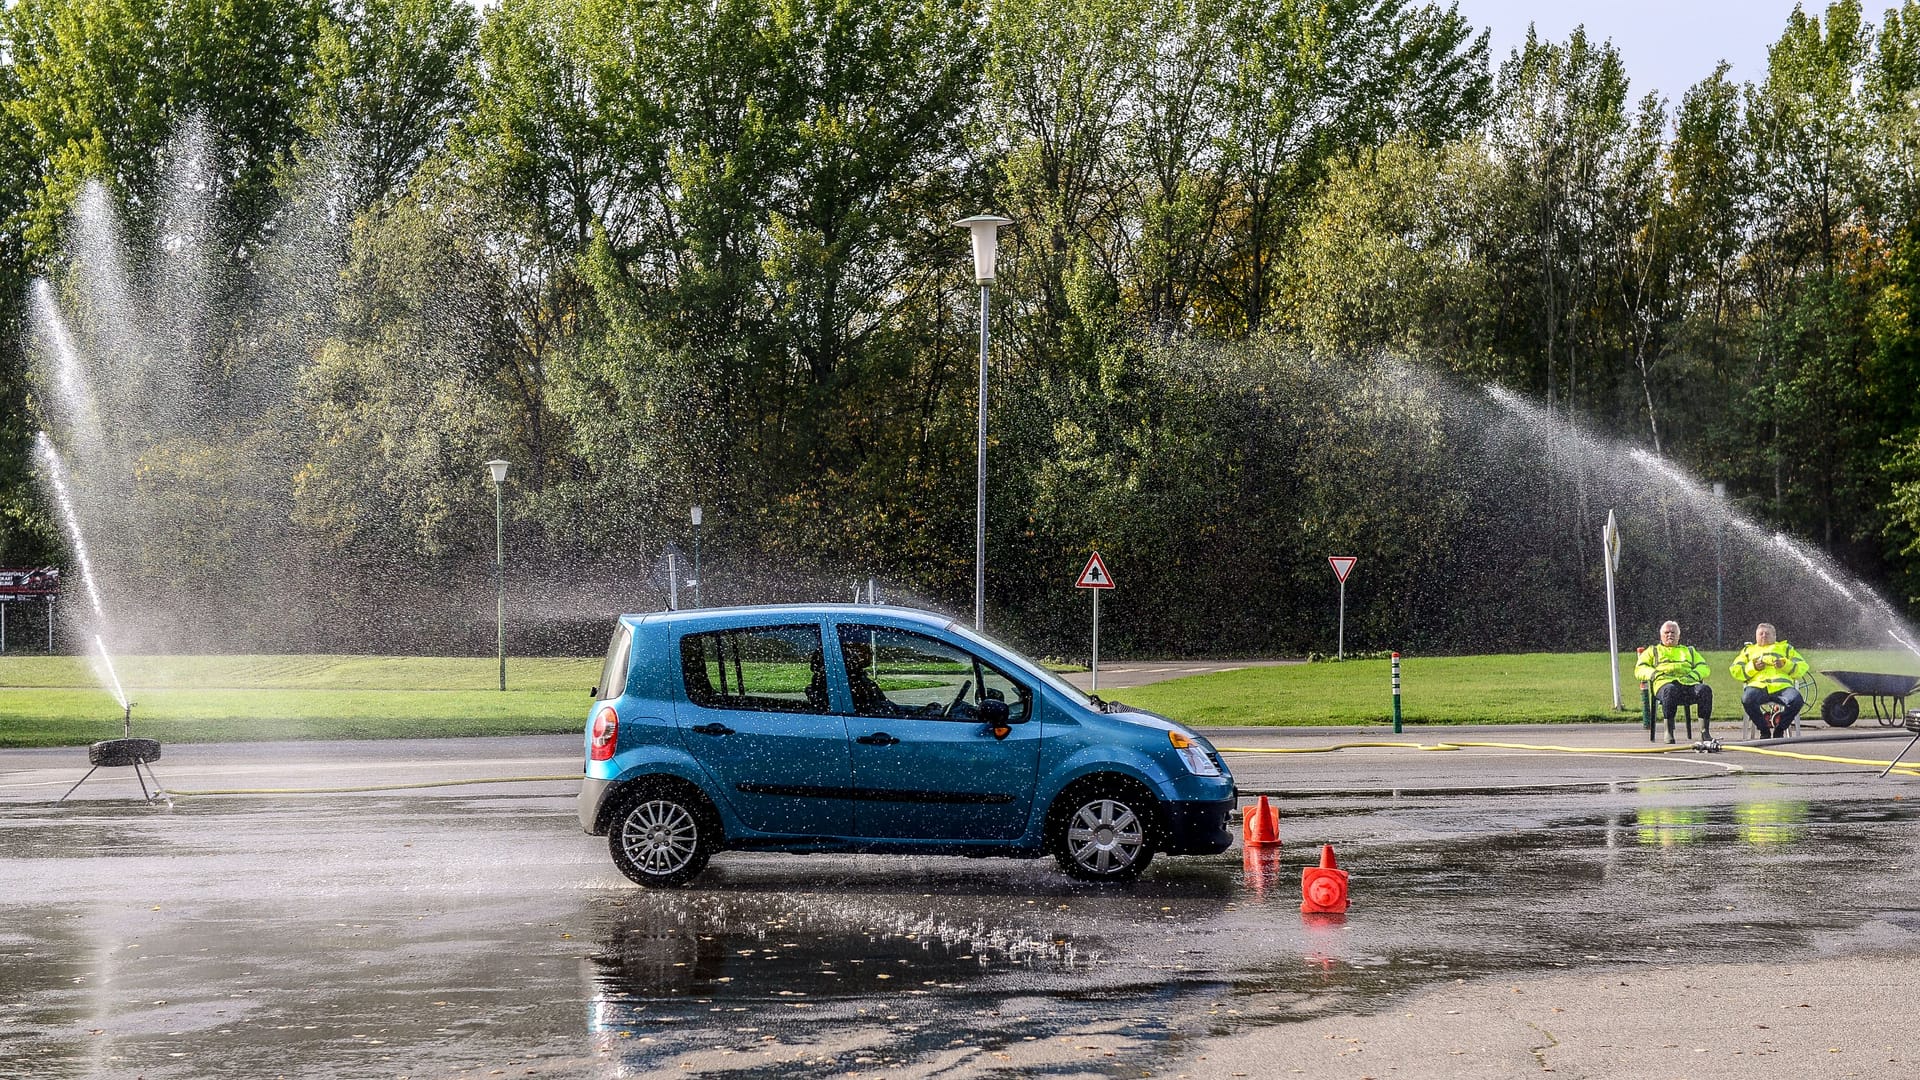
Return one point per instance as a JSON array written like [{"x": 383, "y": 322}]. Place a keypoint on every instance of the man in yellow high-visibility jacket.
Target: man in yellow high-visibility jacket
[
  {"x": 1678, "y": 674},
  {"x": 1770, "y": 667}
]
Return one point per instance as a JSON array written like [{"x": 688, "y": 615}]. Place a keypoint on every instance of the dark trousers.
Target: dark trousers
[
  {"x": 1790, "y": 701},
  {"x": 1673, "y": 695}
]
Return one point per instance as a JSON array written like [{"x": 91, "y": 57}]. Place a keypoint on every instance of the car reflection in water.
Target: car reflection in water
[{"x": 726, "y": 974}]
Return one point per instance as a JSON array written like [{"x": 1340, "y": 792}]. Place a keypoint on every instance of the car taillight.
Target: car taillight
[{"x": 606, "y": 732}]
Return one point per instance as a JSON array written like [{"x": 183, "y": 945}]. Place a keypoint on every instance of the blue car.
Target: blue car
[{"x": 876, "y": 729}]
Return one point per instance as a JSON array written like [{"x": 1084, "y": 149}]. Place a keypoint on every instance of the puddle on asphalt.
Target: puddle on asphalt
[{"x": 922, "y": 963}]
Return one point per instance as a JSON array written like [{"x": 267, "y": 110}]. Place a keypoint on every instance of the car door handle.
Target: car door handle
[
  {"x": 878, "y": 738},
  {"x": 712, "y": 729}
]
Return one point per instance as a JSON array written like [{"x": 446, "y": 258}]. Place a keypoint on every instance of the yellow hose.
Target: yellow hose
[
  {"x": 1902, "y": 770},
  {"x": 1452, "y": 746},
  {"x": 375, "y": 787}
]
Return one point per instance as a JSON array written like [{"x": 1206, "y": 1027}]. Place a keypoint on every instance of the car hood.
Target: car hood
[{"x": 1136, "y": 717}]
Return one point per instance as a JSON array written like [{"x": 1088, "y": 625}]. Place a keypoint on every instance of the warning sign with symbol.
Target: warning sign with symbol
[
  {"x": 1095, "y": 576},
  {"x": 1342, "y": 566}
]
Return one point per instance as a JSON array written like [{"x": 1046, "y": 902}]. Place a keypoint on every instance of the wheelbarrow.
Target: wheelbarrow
[{"x": 1886, "y": 693}]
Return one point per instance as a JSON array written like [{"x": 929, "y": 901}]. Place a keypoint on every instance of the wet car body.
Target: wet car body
[{"x": 849, "y": 728}]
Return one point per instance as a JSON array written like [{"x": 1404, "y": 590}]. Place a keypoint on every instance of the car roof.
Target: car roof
[{"x": 788, "y": 611}]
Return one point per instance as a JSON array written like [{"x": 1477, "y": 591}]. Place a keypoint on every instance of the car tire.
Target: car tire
[
  {"x": 118, "y": 753},
  {"x": 661, "y": 835},
  {"x": 1104, "y": 832}
]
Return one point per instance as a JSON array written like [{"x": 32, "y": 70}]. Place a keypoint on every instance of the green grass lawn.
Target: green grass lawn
[
  {"x": 55, "y": 701},
  {"x": 1514, "y": 688}
]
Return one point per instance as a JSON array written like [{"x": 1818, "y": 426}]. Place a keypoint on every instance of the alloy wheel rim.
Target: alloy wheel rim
[
  {"x": 1105, "y": 836},
  {"x": 660, "y": 837}
]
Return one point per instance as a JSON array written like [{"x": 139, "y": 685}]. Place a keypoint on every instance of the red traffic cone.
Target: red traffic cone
[
  {"x": 1261, "y": 824},
  {"x": 1323, "y": 887}
]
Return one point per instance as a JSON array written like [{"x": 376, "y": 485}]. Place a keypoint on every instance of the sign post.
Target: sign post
[
  {"x": 1342, "y": 566},
  {"x": 1610, "y": 552},
  {"x": 1095, "y": 577}
]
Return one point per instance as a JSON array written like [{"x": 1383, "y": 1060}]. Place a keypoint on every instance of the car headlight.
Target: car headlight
[{"x": 1191, "y": 754}]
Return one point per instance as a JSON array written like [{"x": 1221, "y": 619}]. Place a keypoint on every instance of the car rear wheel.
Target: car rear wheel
[
  {"x": 1105, "y": 834},
  {"x": 661, "y": 837}
]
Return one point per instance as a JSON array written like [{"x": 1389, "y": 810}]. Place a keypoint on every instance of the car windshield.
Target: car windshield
[{"x": 1072, "y": 692}]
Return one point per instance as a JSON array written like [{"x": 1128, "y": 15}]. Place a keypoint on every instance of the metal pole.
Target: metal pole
[
  {"x": 673, "y": 582},
  {"x": 1096, "y": 637},
  {"x": 1396, "y": 693},
  {"x": 696, "y": 567},
  {"x": 1340, "y": 646},
  {"x": 49, "y": 626},
  {"x": 3, "y": 627},
  {"x": 1613, "y": 636},
  {"x": 500, "y": 580},
  {"x": 980, "y": 486}
]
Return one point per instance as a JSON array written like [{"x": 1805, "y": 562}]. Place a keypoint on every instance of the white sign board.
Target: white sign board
[{"x": 1342, "y": 566}]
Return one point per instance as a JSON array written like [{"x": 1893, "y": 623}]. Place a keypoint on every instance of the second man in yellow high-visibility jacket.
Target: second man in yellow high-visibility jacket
[
  {"x": 1769, "y": 668},
  {"x": 1678, "y": 674}
]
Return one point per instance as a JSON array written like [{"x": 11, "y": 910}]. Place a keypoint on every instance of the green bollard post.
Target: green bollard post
[
  {"x": 1646, "y": 713},
  {"x": 1396, "y": 693}
]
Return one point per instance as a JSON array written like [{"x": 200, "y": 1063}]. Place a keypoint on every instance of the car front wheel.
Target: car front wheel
[
  {"x": 661, "y": 838},
  {"x": 1107, "y": 835}
]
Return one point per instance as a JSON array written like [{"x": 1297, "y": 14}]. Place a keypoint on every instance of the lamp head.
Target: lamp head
[
  {"x": 695, "y": 514},
  {"x": 986, "y": 243},
  {"x": 499, "y": 469}
]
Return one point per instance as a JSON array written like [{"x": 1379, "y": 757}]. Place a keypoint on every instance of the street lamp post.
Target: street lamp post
[
  {"x": 986, "y": 244},
  {"x": 499, "y": 469},
  {"x": 1719, "y": 608},
  {"x": 695, "y": 515}
]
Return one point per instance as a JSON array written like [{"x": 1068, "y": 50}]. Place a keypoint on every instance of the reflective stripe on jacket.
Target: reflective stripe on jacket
[
  {"x": 1663, "y": 664},
  {"x": 1771, "y": 667}
]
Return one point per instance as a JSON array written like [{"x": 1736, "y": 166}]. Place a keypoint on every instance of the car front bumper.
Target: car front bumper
[{"x": 1199, "y": 828}]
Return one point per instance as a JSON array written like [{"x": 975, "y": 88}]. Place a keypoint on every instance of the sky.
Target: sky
[{"x": 1666, "y": 46}]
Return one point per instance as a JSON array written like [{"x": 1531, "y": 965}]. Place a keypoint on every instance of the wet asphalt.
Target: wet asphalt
[{"x": 472, "y": 930}]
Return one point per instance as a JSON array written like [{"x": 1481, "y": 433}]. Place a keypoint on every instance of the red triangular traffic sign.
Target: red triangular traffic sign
[
  {"x": 1095, "y": 576},
  {"x": 1342, "y": 566}
]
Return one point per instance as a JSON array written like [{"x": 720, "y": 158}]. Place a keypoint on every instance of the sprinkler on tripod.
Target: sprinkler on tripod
[{"x": 123, "y": 752}]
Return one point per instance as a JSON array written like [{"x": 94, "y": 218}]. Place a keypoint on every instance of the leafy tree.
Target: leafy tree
[
  {"x": 104, "y": 84},
  {"x": 388, "y": 87}
]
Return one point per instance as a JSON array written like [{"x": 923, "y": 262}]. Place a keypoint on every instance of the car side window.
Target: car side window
[
  {"x": 896, "y": 673},
  {"x": 757, "y": 669}
]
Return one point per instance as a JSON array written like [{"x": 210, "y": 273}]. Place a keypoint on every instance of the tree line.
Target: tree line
[{"x": 668, "y": 253}]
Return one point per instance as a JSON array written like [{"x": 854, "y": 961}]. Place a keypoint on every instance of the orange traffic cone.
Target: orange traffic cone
[
  {"x": 1261, "y": 824},
  {"x": 1323, "y": 887}
]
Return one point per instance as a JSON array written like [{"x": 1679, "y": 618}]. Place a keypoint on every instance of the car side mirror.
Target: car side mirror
[{"x": 994, "y": 714}]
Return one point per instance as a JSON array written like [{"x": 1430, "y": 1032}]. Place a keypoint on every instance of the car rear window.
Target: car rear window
[
  {"x": 762, "y": 668},
  {"x": 613, "y": 674}
]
